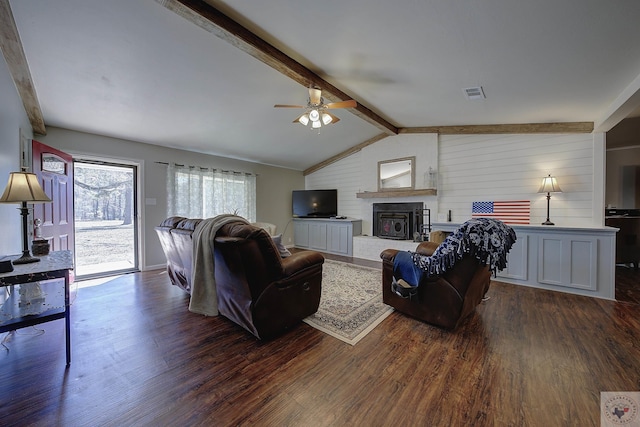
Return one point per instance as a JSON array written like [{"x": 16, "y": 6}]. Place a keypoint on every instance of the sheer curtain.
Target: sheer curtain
[{"x": 195, "y": 192}]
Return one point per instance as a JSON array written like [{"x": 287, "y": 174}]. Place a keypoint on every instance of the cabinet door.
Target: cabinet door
[
  {"x": 568, "y": 260},
  {"x": 517, "y": 260},
  {"x": 318, "y": 236},
  {"x": 339, "y": 239},
  {"x": 301, "y": 234}
]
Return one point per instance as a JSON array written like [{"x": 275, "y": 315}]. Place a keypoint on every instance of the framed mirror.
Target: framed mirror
[{"x": 396, "y": 174}]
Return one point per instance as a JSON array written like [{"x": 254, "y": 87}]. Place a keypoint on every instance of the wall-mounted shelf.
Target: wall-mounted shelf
[{"x": 399, "y": 193}]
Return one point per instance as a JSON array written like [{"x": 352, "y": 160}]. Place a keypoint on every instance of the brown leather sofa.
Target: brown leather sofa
[
  {"x": 257, "y": 289},
  {"x": 444, "y": 300}
]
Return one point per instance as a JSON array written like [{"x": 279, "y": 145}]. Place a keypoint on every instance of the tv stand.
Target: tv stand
[{"x": 331, "y": 235}]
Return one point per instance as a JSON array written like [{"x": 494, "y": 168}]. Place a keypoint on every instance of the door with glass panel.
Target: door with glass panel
[{"x": 105, "y": 212}]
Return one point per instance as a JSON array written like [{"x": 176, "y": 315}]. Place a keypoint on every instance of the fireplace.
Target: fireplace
[{"x": 397, "y": 221}]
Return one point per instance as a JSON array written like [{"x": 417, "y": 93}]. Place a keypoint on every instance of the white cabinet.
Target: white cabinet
[
  {"x": 517, "y": 260},
  {"x": 327, "y": 235},
  {"x": 568, "y": 259},
  {"x": 301, "y": 234},
  {"x": 318, "y": 236}
]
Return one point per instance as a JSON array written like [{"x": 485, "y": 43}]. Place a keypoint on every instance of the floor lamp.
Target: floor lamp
[
  {"x": 23, "y": 188},
  {"x": 549, "y": 185}
]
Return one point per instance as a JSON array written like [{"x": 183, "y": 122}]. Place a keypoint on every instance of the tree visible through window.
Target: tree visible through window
[{"x": 203, "y": 193}]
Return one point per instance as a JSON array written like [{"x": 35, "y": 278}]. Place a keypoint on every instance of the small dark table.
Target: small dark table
[{"x": 55, "y": 304}]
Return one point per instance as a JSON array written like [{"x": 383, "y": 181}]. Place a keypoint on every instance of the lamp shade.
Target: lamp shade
[
  {"x": 23, "y": 187},
  {"x": 549, "y": 185}
]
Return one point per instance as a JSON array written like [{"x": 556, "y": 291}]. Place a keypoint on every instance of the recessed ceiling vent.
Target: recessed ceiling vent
[{"x": 474, "y": 92}]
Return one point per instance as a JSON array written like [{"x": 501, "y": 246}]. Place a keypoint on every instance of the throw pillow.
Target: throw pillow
[{"x": 284, "y": 252}]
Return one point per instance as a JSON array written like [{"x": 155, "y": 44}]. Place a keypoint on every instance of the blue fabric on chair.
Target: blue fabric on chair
[
  {"x": 404, "y": 268},
  {"x": 486, "y": 239}
]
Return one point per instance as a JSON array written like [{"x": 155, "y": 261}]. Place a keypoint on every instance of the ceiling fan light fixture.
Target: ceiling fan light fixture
[
  {"x": 304, "y": 119},
  {"x": 314, "y": 115},
  {"x": 326, "y": 118},
  {"x": 316, "y": 124}
]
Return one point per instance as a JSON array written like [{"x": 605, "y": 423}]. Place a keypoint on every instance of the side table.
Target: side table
[{"x": 14, "y": 316}]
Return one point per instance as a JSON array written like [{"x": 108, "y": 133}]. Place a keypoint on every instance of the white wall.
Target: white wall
[
  {"x": 511, "y": 167},
  {"x": 479, "y": 168},
  {"x": 359, "y": 173},
  {"x": 273, "y": 184},
  {"x": 13, "y": 120}
]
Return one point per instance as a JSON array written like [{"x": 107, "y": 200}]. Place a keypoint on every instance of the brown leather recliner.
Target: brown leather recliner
[
  {"x": 444, "y": 300},
  {"x": 257, "y": 288}
]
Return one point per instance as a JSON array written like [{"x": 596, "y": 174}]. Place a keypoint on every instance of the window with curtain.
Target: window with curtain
[{"x": 195, "y": 192}]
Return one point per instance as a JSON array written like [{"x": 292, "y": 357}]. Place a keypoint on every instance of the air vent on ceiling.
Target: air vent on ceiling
[{"x": 474, "y": 92}]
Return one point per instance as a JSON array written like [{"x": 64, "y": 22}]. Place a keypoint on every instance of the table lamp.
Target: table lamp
[
  {"x": 23, "y": 188},
  {"x": 549, "y": 185}
]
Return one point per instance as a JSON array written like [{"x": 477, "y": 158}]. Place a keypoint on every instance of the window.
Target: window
[{"x": 195, "y": 192}]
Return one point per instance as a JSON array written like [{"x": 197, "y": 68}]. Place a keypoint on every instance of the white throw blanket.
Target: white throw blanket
[{"x": 204, "y": 297}]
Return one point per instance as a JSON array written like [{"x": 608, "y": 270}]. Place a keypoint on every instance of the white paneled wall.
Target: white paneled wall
[
  {"x": 511, "y": 167},
  {"x": 343, "y": 175},
  {"x": 359, "y": 172},
  {"x": 475, "y": 168}
]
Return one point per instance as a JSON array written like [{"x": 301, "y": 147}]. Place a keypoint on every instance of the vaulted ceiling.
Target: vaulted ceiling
[{"x": 204, "y": 76}]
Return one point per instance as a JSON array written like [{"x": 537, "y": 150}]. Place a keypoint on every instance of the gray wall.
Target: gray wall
[
  {"x": 274, "y": 184},
  {"x": 13, "y": 120}
]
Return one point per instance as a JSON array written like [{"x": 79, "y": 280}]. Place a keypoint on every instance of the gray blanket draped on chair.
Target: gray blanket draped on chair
[{"x": 204, "y": 297}]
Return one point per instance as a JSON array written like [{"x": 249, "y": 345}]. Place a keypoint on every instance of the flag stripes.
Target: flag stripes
[{"x": 509, "y": 212}]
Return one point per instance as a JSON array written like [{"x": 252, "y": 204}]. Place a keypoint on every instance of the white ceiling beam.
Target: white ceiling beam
[{"x": 13, "y": 53}]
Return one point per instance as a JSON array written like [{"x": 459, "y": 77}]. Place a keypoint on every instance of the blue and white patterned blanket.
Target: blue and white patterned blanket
[{"x": 486, "y": 239}]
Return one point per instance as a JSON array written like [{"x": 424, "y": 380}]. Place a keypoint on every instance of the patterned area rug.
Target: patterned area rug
[{"x": 351, "y": 303}]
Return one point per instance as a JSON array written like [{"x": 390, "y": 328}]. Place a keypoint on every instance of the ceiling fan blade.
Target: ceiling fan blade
[
  {"x": 342, "y": 104},
  {"x": 288, "y": 106},
  {"x": 314, "y": 95}
]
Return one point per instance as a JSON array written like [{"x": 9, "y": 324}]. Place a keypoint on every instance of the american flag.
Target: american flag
[{"x": 509, "y": 212}]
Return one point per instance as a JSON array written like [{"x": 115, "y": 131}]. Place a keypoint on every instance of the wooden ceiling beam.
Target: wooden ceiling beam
[
  {"x": 563, "y": 127},
  {"x": 11, "y": 47},
  {"x": 214, "y": 21}
]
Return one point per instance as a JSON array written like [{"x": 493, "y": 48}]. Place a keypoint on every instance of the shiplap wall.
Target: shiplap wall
[
  {"x": 511, "y": 167},
  {"x": 476, "y": 168},
  {"x": 359, "y": 173}
]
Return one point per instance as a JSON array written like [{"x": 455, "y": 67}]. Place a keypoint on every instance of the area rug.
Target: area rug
[{"x": 351, "y": 303}]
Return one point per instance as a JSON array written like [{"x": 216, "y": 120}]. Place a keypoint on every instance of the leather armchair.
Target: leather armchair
[
  {"x": 257, "y": 288},
  {"x": 444, "y": 300}
]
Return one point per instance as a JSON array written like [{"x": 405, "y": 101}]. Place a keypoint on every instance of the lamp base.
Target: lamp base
[
  {"x": 547, "y": 222},
  {"x": 26, "y": 258}
]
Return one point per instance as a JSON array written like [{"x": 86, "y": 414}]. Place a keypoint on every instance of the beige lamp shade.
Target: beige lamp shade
[
  {"x": 23, "y": 187},
  {"x": 549, "y": 185}
]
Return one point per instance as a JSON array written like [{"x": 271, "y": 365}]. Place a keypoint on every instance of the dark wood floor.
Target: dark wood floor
[
  {"x": 526, "y": 357},
  {"x": 627, "y": 284}
]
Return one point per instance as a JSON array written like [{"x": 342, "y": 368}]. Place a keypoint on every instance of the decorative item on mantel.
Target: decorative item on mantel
[
  {"x": 23, "y": 187},
  {"x": 549, "y": 185},
  {"x": 431, "y": 178}
]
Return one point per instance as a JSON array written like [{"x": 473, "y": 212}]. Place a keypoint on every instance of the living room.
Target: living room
[{"x": 471, "y": 166}]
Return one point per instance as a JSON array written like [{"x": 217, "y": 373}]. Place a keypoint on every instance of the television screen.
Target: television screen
[{"x": 315, "y": 203}]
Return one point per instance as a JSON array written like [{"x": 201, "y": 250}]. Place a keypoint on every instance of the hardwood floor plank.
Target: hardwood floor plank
[{"x": 526, "y": 357}]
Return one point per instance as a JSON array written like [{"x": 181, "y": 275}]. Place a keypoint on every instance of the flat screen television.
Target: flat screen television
[{"x": 314, "y": 203}]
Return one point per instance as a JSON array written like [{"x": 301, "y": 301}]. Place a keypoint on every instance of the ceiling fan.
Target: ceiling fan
[{"x": 316, "y": 110}]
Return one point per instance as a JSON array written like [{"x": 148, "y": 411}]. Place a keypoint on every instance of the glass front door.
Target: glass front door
[{"x": 105, "y": 219}]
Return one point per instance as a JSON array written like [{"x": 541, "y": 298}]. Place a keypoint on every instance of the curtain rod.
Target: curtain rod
[{"x": 206, "y": 168}]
